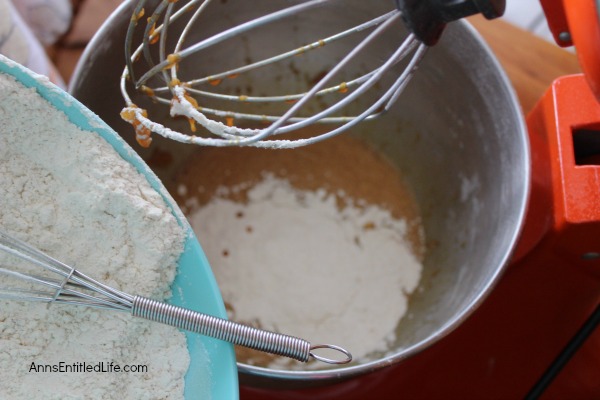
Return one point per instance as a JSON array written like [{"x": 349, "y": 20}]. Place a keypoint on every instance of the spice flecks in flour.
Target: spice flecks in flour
[
  {"x": 70, "y": 194},
  {"x": 293, "y": 261}
]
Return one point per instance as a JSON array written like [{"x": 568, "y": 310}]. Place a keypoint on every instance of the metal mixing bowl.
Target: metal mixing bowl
[{"x": 457, "y": 134}]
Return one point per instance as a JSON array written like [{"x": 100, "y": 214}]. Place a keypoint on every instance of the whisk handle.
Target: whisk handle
[{"x": 233, "y": 332}]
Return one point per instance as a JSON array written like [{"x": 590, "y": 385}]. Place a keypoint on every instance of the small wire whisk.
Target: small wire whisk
[
  {"x": 41, "y": 278},
  {"x": 225, "y": 124}
]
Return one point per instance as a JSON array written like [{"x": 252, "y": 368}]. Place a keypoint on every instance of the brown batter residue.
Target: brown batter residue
[{"x": 343, "y": 166}]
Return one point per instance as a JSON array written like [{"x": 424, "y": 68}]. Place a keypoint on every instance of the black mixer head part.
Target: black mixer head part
[{"x": 428, "y": 18}]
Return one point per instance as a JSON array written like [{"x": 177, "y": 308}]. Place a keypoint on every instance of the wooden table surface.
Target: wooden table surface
[{"x": 531, "y": 63}]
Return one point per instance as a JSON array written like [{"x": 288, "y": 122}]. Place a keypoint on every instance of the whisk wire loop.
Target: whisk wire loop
[
  {"x": 275, "y": 127},
  {"x": 300, "y": 50},
  {"x": 70, "y": 288},
  {"x": 229, "y": 33}
]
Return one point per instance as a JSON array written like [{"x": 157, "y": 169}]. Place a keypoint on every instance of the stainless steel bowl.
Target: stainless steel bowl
[{"x": 457, "y": 134}]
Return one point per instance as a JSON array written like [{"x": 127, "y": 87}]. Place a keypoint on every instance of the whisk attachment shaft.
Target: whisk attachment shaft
[{"x": 75, "y": 288}]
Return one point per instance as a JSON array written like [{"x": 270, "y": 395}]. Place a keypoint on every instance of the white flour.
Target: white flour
[
  {"x": 70, "y": 194},
  {"x": 295, "y": 263}
]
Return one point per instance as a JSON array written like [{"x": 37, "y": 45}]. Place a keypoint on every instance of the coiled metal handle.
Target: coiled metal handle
[{"x": 243, "y": 335}]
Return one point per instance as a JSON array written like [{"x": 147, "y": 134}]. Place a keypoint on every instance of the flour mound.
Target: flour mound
[{"x": 294, "y": 262}]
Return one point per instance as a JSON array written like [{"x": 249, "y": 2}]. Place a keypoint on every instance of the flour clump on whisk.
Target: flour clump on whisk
[{"x": 69, "y": 192}]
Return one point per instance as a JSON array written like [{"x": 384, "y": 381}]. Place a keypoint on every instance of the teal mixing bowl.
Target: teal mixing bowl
[{"x": 194, "y": 286}]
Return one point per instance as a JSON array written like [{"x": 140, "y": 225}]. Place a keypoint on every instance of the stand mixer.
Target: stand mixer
[{"x": 504, "y": 347}]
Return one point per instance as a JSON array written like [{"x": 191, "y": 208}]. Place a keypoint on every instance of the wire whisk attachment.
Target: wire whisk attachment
[
  {"x": 230, "y": 119},
  {"x": 191, "y": 97},
  {"x": 32, "y": 275}
]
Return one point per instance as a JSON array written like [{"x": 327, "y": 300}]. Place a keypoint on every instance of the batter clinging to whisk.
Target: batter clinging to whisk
[{"x": 324, "y": 100}]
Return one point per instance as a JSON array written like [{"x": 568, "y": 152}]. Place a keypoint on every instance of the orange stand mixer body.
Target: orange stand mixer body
[{"x": 553, "y": 283}]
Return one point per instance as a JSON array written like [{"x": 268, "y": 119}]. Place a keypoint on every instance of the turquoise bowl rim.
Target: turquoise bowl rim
[{"x": 195, "y": 285}]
